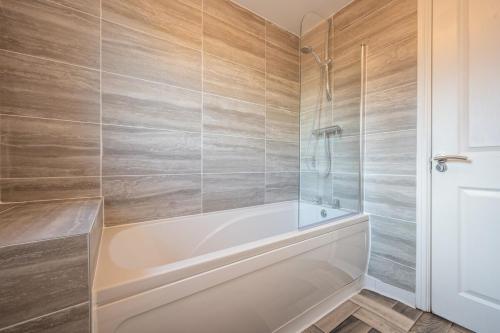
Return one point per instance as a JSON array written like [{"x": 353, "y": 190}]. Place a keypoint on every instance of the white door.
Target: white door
[{"x": 466, "y": 196}]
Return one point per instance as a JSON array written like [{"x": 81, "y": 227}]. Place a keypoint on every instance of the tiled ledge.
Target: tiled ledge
[{"x": 48, "y": 252}]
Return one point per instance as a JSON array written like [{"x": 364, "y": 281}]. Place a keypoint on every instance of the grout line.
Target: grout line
[
  {"x": 202, "y": 183},
  {"x": 392, "y": 261},
  {"x": 50, "y": 119},
  {"x": 149, "y": 34},
  {"x": 392, "y": 218},
  {"x": 71, "y": 8},
  {"x": 265, "y": 110},
  {"x": 50, "y": 60},
  {"x": 100, "y": 105},
  {"x": 45, "y": 314},
  {"x": 52, "y": 200}
]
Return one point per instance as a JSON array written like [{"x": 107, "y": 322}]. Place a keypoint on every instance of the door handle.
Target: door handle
[{"x": 441, "y": 160}]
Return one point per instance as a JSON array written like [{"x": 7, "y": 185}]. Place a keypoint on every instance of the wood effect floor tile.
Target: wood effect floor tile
[
  {"x": 376, "y": 297},
  {"x": 354, "y": 325},
  {"x": 43, "y": 28},
  {"x": 430, "y": 323},
  {"x": 378, "y": 322},
  {"x": 384, "y": 311},
  {"x": 312, "y": 329},
  {"x": 337, "y": 316},
  {"x": 459, "y": 329},
  {"x": 405, "y": 310}
]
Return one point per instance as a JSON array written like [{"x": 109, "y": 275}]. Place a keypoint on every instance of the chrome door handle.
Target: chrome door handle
[
  {"x": 442, "y": 159},
  {"x": 445, "y": 158}
]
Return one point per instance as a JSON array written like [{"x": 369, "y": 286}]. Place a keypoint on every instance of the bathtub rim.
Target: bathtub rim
[{"x": 183, "y": 269}]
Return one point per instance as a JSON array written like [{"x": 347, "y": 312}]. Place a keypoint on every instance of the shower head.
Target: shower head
[{"x": 309, "y": 50}]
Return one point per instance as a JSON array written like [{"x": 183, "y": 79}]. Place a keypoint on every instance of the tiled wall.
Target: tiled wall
[
  {"x": 166, "y": 108},
  {"x": 389, "y": 30}
]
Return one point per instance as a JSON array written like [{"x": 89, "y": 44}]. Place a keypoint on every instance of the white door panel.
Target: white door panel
[{"x": 466, "y": 197}]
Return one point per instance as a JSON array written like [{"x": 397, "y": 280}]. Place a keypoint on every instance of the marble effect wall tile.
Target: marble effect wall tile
[
  {"x": 235, "y": 190},
  {"x": 391, "y": 153},
  {"x": 282, "y": 186},
  {"x": 232, "y": 154},
  {"x": 394, "y": 240},
  {"x": 33, "y": 87},
  {"x": 55, "y": 149},
  {"x": 392, "y": 273},
  {"x": 129, "y": 52},
  {"x": 141, "y": 151},
  {"x": 54, "y": 273},
  {"x": 282, "y": 156},
  {"x": 391, "y": 196},
  {"x": 133, "y": 102},
  {"x": 132, "y": 199},
  {"x": 233, "y": 117},
  {"x": 176, "y": 21},
  {"x": 74, "y": 319},
  {"x": 45, "y": 29}
]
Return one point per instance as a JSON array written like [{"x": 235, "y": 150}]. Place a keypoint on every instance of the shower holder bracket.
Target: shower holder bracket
[{"x": 330, "y": 130}]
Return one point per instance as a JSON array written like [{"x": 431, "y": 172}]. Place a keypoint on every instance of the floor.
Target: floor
[{"x": 369, "y": 312}]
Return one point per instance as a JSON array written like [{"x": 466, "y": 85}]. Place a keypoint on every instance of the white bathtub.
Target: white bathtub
[{"x": 245, "y": 270}]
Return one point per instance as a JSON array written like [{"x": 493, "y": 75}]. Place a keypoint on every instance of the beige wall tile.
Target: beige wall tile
[
  {"x": 233, "y": 117},
  {"x": 282, "y": 186},
  {"x": 233, "y": 14},
  {"x": 132, "y": 199},
  {"x": 282, "y": 156},
  {"x": 282, "y": 124},
  {"x": 40, "y": 88},
  {"x": 233, "y": 44},
  {"x": 38, "y": 273},
  {"x": 282, "y": 93},
  {"x": 233, "y": 190},
  {"x": 177, "y": 21},
  {"x": 395, "y": 66},
  {"x": 128, "y": 52},
  {"x": 74, "y": 319},
  {"x": 282, "y": 38},
  {"x": 33, "y": 189},
  {"x": 88, "y": 6},
  {"x": 133, "y": 102},
  {"x": 55, "y": 149},
  {"x": 282, "y": 63},
  {"x": 229, "y": 79},
  {"x": 232, "y": 154},
  {"x": 42, "y": 28},
  {"x": 143, "y": 151}
]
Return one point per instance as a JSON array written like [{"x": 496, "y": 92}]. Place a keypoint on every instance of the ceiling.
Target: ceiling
[{"x": 288, "y": 13}]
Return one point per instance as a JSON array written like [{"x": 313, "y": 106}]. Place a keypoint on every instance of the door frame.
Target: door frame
[{"x": 424, "y": 154}]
